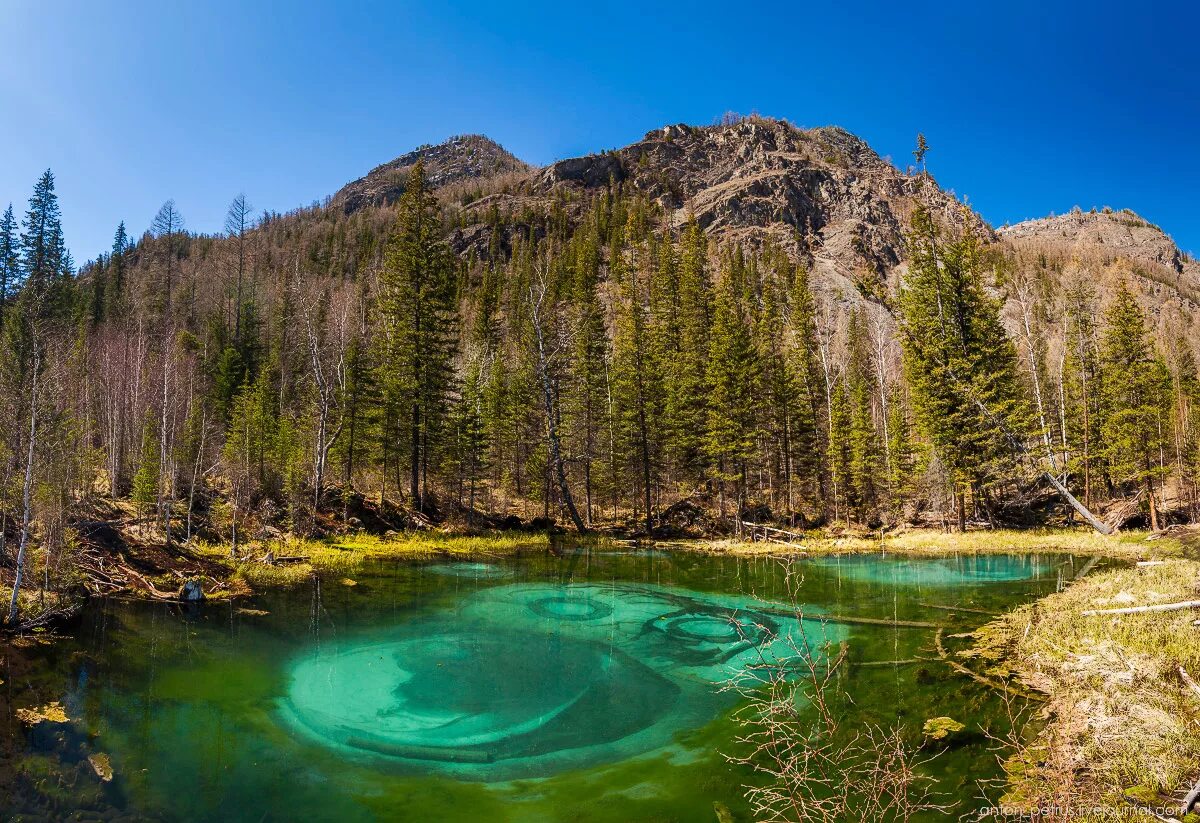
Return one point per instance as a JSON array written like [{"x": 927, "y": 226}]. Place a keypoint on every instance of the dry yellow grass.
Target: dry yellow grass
[
  {"x": 1121, "y": 723},
  {"x": 1131, "y": 545}
]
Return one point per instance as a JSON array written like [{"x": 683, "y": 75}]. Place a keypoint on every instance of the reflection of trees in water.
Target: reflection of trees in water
[{"x": 817, "y": 766}]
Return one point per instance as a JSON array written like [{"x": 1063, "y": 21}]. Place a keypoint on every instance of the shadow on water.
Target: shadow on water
[{"x": 586, "y": 684}]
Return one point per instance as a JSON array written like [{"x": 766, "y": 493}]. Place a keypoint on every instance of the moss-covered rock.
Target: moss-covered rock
[{"x": 941, "y": 728}]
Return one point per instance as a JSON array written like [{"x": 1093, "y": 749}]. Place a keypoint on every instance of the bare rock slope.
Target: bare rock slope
[{"x": 823, "y": 193}]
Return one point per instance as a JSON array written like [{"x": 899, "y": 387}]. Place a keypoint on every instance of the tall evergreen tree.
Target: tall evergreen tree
[
  {"x": 417, "y": 309},
  {"x": 10, "y": 259},
  {"x": 42, "y": 247},
  {"x": 961, "y": 365},
  {"x": 114, "y": 281},
  {"x": 688, "y": 387},
  {"x": 1136, "y": 400},
  {"x": 733, "y": 373}
]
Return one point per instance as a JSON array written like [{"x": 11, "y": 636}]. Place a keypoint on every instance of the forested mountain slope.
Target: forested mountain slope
[{"x": 747, "y": 318}]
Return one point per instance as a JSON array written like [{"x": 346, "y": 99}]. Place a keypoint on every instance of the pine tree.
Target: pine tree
[
  {"x": 731, "y": 427},
  {"x": 687, "y": 386},
  {"x": 865, "y": 463},
  {"x": 1083, "y": 387},
  {"x": 146, "y": 478},
  {"x": 840, "y": 452},
  {"x": 10, "y": 259},
  {"x": 114, "y": 282},
  {"x": 43, "y": 253},
  {"x": 589, "y": 362},
  {"x": 779, "y": 389},
  {"x": 637, "y": 388},
  {"x": 804, "y": 356}
]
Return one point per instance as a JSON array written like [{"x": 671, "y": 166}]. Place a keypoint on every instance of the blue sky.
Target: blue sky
[{"x": 1028, "y": 109}]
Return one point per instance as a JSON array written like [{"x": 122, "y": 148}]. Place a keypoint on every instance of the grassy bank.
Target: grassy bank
[
  {"x": 303, "y": 558},
  {"x": 1133, "y": 545},
  {"x": 1121, "y": 726}
]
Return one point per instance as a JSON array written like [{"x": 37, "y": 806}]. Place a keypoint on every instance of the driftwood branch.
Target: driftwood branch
[
  {"x": 1193, "y": 797},
  {"x": 1164, "y": 607}
]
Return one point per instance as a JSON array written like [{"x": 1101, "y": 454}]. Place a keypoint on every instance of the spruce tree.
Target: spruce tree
[
  {"x": 1136, "y": 400},
  {"x": 114, "y": 281},
  {"x": 10, "y": 259},
  {"x": 42, "y": 247},
  {"x": 688, "y": 387},
  {"x": 731, "y": 427},
  {"x": 865, "y": 450},
  {"x": 637, "y": 388},
  {"x": 805, "y": 358},
  {"x": 960, "y": 363},
  {"x": 417, "y": 309}
]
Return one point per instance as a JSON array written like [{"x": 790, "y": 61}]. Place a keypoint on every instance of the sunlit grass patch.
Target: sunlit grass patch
[{"x": 344, "y": 554}]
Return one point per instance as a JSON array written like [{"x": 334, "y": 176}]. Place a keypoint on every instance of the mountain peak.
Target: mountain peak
[{"x": 462, "y": 157}]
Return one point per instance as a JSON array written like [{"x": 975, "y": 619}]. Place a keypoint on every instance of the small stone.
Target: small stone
[
  {"x": 102, "y": 766},
  {"x": 191, "y": 592}
]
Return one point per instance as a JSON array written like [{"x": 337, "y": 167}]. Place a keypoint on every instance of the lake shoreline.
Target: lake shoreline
[{"x": 1013, "y": 648}]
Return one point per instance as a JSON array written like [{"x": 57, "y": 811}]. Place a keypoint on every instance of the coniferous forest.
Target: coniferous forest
[{"x": 593, "y": 364}]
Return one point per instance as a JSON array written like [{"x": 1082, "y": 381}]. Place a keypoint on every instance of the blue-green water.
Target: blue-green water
[{"x": 584, "y": 687}]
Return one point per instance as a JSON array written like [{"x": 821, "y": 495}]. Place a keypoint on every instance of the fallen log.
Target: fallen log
[
  {"x": 852, "y": 621},
  {"x": 1193, "y": 797},
  {"x": 979, "y": 678},
  {"x": 1164, "y": 607},
  {"x": 150, "y": 587},
  {"x": 956, "y": 609}
]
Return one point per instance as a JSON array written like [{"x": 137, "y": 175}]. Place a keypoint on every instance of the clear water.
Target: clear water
[{"x": 584, "y": 687}]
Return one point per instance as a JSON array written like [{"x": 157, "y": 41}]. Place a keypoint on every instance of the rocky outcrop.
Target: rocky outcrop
[
  {"x": 1107, "y": 249},
  {"x": 1110, "y": 233},
  {"x": 467, "y": 157}
]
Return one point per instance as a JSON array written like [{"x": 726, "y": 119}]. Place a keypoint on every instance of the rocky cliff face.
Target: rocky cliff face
[
  {"x": 468, "y": 157},
  {"x": 820, "y": 191},
  {"x": 823, "y": 194}
]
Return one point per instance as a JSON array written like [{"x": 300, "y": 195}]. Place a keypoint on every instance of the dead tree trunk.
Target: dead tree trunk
[
  {"x": 543, "y": 370},
  {"x": 1019, "y": 448},
  {"x": 27, "y": 494}
]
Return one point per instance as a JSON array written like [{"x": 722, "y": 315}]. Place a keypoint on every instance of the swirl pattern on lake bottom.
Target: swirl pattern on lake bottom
[{"x": 531, "y": 679}]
